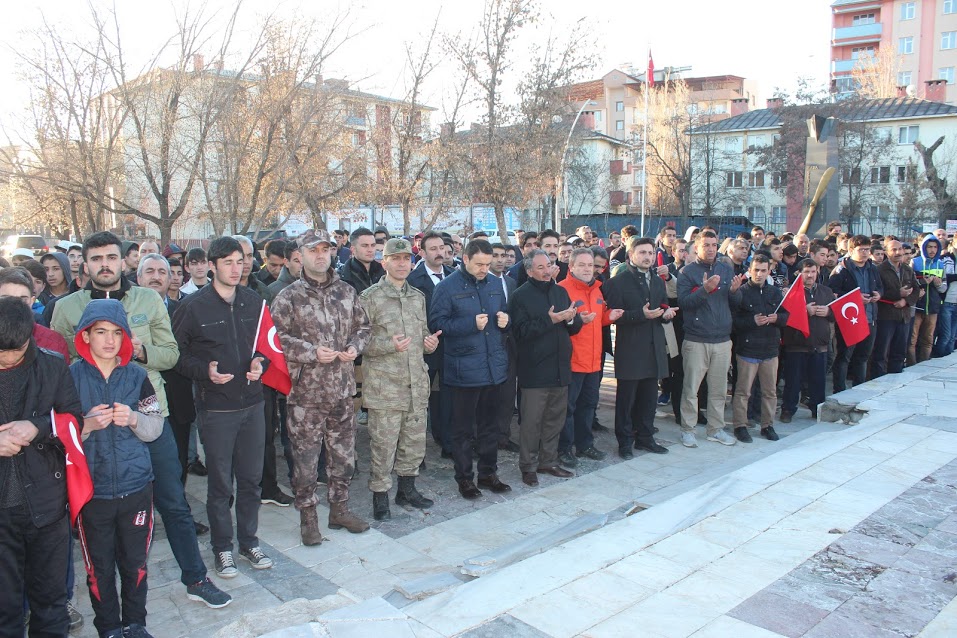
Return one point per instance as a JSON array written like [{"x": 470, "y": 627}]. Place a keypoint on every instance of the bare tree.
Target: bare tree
[
  {"x": 946, "y": 201},
  {"x": 865, "y": 178},
  {"x": 875, "y": 75}
]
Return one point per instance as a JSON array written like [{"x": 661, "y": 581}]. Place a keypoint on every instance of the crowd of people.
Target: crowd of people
[{"x": 141, "y": 347}]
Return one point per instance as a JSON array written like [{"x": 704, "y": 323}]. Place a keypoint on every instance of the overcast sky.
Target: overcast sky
[{"x": 756, "y": 39}]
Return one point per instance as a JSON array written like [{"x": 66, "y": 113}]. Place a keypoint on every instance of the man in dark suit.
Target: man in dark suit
[
  {"x": 425, "y": 276},
  {"x": 498, "y": 270}
]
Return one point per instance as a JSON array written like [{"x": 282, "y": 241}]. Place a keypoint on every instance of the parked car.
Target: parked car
[{"x": 36, "y": 243}]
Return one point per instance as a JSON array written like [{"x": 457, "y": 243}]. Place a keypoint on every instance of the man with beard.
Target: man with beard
[
  {"x": 154, "y": 348},
  {"x": 323, "y": 329}
]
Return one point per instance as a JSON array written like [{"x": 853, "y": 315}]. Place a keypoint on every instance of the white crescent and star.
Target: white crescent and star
[{"x": 857, "y": 311}]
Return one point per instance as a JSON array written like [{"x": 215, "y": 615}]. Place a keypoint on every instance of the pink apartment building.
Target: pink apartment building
[{"x": 922, "y": 32}]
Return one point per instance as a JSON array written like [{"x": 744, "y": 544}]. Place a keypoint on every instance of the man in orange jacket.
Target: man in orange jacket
[{"x": 585, "y": 291}]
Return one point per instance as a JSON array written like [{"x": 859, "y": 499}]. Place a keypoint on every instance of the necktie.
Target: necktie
[{"x": 439, "y": 275}]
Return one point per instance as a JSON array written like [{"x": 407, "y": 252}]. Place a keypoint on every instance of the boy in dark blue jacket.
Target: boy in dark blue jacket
[{"x": 122, "y": 414}]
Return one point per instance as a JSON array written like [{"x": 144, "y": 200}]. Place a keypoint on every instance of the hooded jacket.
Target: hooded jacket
[
  {"x": 117, "y": 456},
  {"x": 148, "y": 320},
  {"x": 926, "y": 267},
  {"x": 47, "y": 295}
]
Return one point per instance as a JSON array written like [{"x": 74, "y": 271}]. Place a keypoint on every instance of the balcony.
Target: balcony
[
  {"x": 619, "y": 198},
  {"x": 618, "y": 167},
  {"x": 843, "y": 66},
  {"x": 857, "y": 35},
  {"x": 355, "y": 120}
]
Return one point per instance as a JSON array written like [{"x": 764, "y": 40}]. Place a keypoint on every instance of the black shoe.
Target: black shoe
[
  {"x": 652, "y": 447},
  {"x": 493, "y": 483},
  {"x": 380, "y": 506},
  {"x": 276, "y": 498},
  {"x": 814, "y": 414},
  {"x": 196, "y": 468},
  {"x": 200, "y": 528},
  {"x": 598, "y": 427},
  {"x": 742, "y": 434},
  {"x": 568, "y": 459},
  {"x": 785, "y": 417},
  {"x": 702, "y": 420},
  {"x": 408, "y": 495},
  {"x": 769, "y": 433},
  {"x": 625, "y": 453},
  {"x": 446, "y": 455},
  {"x": 468, "y": 490},
  {"x": 509, "y": 446},
  {"x": 209, "y": 594},
  {"x": 592, "y": 453},
  {"x": 136, "y": 631}
]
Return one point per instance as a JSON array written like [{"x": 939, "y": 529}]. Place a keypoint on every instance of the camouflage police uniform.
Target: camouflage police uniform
[
  {"x": 396, "y": 391},
  {"x": 309, "y": 314}
]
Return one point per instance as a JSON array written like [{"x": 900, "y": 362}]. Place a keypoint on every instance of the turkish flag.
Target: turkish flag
[
  {"x": 651, "y": 70},
  {"x": 79, "y": 484},
  {"x": 796, "y": 306},
  {"x": 850, "y": 317},
  {"x": 276, "y": 375}
]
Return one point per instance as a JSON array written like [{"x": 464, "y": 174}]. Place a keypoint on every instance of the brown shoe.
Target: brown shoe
[
  {"x": 309, "y": 526},
  {"x": 468, "y": 490},
  {"x": 493, "y": 483},
  {"x": 560, "y": 472},
  {"x": 340, "y": 516},
  {"x": 530, "y": 479}
]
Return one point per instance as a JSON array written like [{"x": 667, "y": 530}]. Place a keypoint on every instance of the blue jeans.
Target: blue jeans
[
  {"x": 582, "y": 402},
  {"x": 799, "y": 366},
  {"x": 946, "y": 330},
  {"x": 169, "y": 499}
]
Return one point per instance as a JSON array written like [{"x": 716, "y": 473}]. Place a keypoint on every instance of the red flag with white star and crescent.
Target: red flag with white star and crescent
[
  {"x": 267, "y": 343},
  {"x": 850, "y": 317},
  {"x": 79, "y": 484}
]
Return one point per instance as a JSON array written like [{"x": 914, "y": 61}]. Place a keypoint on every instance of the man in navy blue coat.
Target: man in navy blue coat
[{"x": 471, "y": 313}]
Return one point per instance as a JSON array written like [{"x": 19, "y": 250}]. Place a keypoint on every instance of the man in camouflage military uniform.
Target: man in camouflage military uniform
[
  {"x": 397, "y": 380},
  {"x": 322, "y": 328}
]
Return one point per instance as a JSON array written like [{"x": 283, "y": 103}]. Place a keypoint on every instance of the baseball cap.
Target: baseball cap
[
  {"x": 22, "y": 252},
  {"x": 65, "y": 245},
  {"x": 313, "y": 238},
  {"x": 397, "y": 246},
  {"x": 173, "y": 249}
]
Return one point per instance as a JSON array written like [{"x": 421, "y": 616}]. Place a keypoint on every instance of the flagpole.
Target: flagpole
[
  {"x": 644, "y": 162},
  {"x": 259, "y": 326}
]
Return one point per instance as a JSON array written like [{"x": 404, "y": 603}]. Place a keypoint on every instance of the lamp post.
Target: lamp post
[{"x": 561, "y": 170}]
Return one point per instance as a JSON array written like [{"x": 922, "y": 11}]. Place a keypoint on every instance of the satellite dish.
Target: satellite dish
[{"x": 910, "y": 90}]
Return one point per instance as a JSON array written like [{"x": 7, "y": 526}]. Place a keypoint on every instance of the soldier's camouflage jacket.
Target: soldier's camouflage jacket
[
  {"x": 307, "y": 315},
  {"x": 390, "y": 377}
]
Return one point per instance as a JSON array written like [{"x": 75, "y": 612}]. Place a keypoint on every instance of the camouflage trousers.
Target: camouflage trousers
[
  {"x": 397, "y": 438},
  {"x": 308, "y": 428}
]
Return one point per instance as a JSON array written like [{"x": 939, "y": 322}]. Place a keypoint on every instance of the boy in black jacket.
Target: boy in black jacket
[
  {"x": 757, "y": 324},
  {"x": 34, "y": 526}
]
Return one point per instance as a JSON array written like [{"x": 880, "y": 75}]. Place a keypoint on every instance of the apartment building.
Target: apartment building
[
  {"x": 880, "y": 188},
  {"x": 922, "y": 33}
]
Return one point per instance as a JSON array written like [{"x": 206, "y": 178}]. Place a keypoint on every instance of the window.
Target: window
[
  {"x": 757, "y": 215},
  {"x": 732, "y": 145},
  {"x": 845, "y": 85},
  {"x": 905, "y": 46},
  {"x": 881, "y": 175},
  {"x": 779, "y": 215},
  {"x": 883, "y": 133},
  {"x": 946, "y": 73},
  {"x": 779, "y": 179},
  {"x": 907, "y": 11},
  {"x": 755, "y": 141},
  {"x": 851, "y": 176},
  {"x": 858, "y": 52},
  {"x": 735, "y": 179},
  {"x": 948, "y": 40},
  {"x": 907, "y": 134},
  {"x": 619, "y": 125},
  {"x": 905, "y": 173},
  {"x": 881, "y": 212},
  {"x": 950, "y": 6},
  {"x": 903, "y": 78},
  {"x": 864, "y": 18},
  {"x": 736, "y": 211},
  {"x": 597, "y": 116},
  {"x": 755, "y": 179},
  {"x": 619, "y": 106}
]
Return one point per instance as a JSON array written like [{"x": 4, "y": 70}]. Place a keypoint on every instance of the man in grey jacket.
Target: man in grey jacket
[{"x": 706, "y": 289}]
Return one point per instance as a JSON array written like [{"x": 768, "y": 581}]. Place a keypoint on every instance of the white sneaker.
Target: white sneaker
[
  {"x": 688, "y": 440},
  {"x": 362, "y": 418},
  {"x": 722, "y": 437}
]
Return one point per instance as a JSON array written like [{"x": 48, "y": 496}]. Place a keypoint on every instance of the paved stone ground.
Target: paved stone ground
[{"x": 833, "y": 523}]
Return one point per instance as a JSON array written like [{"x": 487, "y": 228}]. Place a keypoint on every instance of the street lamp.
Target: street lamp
[{"x": 561, "y": 169}]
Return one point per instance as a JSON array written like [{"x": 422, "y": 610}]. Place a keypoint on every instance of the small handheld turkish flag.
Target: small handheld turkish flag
[
  {"x": 796, "y": 306},
  {"x": 79, "y": 484},
  {"x": 850, "y": 317},
  {"x": 276, "y": 375}
]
